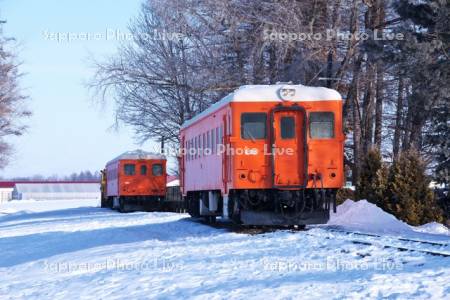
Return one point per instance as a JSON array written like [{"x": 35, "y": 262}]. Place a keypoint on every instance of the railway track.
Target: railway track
[
  {"x": 358, "y": 233},
  {"x": 434, "y": 248}
]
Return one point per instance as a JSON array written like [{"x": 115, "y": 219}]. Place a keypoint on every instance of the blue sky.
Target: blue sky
[{"x": 67, "y": 132}]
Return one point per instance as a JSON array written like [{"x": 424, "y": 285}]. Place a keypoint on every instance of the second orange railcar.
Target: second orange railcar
[{"x": 135, "y": 180}]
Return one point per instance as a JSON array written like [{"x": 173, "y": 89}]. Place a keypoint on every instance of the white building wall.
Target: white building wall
[
  {"x": 58, "y": 196},
  {"x": 56, "y": 191},
  {"x": 5, "y": 194}
]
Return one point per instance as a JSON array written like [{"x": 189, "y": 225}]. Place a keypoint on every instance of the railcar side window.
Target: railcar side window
[
  {"x": 196, "y": 147},
  {"x": 157, "y": 170},
  {"x": 129, "y": 169},
  {"x": 321, "y": 125},
  {"x": 218, "y": 138},
  {"x": 199, "y": 146},
  {"x": 204, "y": 145},
  {"x": 287, "y": 125},
  {"x": 143, "y": 170},
  {"x": 253, "y": 126},
  {"x": 188, "y": 156},
  {"x": 213, "y": 141}
]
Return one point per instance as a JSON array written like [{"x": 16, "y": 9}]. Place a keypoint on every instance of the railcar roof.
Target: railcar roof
[
  {"x": 270, "y": 93},
  {"x": 137, "y": 154}
]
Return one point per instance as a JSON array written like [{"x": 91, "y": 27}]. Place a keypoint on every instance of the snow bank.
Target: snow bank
[
  {"x": 367, "y": 217},
  {"x": 433, "y": 228},
  {"x": 30, "y": 206}
]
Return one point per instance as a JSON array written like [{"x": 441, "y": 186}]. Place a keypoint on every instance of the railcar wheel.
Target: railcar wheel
[
  {"x": 298, "y": 227},
  {"x": 193, "y": 205},
  {"x": 234, "y": 210},
  {"x": 121, "y": 206},
  {"x": 210, "y": 219}
]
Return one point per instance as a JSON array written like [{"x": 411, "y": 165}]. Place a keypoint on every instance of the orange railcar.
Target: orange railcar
[
  {"x": 265, "y": 155},
  {"x": 135, "y": 180}
]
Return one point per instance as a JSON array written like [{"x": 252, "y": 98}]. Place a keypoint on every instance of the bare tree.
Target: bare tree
[
  {"x": 158, "y": 83},
  {"x": 12, "y": 99}
]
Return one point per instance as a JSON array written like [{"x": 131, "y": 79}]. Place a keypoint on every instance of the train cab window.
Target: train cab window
[
  {"x": 157, "y": 170},
  {"x": 253, "y": 126},
  {"x": 129, "y": 169},
  {"x": 287, "y": 125},
  {"x": 321, "y": 125},
  {"x": 143, "y": 170}
]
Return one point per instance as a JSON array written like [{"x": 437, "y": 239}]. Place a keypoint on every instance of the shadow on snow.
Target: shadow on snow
[{"x": 26, "y": 248}]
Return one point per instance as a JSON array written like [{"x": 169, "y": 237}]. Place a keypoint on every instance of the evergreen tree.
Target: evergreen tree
[
  {"x": 410, "y": 198},
  {"x": 372, "y": 183},
  {"x": 344, "y": 194}
]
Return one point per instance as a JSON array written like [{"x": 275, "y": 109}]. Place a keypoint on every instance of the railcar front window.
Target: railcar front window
[
  {"x": 287, "y": 125},
  {"x": 321, "y": 125},
  {"x": 253, "y": 126},
  {"x": 157, "y": 170},
  {"x": 129, "y": 169}
]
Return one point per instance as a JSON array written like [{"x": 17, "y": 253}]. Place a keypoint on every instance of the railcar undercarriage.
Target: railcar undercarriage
[
  {"x": 265, "y": 207},
  {"x": 135, "y": 203}
]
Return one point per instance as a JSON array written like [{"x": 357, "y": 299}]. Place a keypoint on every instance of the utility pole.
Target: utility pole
[{"x": 162, "y": 145}]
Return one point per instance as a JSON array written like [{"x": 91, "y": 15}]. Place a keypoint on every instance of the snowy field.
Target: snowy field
[{"x": 76, "y": 250}]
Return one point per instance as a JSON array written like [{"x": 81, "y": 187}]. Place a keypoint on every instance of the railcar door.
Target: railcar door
[{"x": 288, "y": 147}]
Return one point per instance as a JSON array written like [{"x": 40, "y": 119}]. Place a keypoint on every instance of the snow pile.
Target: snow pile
[
  {"x": 172, "y": 183},
  {"x": 365, "y": 216},
  {"x": 433, "y": 228}
]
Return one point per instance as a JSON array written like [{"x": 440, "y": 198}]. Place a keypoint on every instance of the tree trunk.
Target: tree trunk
[
  {"x": 380, "y": 19},
  {"x": 272, "y": 64},
  {"x": 379, "y": 105},
  {"x": 353, "y": 96},
  {"x": 368, "y": 110},
  {"x": 407, "y": 123},
  {"x": 398, "y": 119},
  {"x": 418, "y": 116}
]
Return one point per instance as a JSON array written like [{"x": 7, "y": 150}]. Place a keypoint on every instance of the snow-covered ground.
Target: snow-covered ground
[{"x": 76, "y": 250}]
